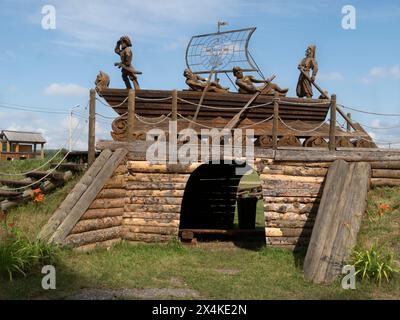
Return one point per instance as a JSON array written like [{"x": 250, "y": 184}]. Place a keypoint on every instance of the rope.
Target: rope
[
  {"x": 257, "y": 123},
  {"x": 42, "y": 165},
  {"x": 109, "y": 105},
  {"x": 33, "y": 170},
  {"x": 373, "y": 113},
  {"x": 199, "y": 124},
  {"x": 379, "y": 128},
  {"x": 164, "y": 117},
  {"x": 154, "y": 99},
  {"x": 41, "y": 179},
  {"x": 103, "y": 116},
  {"x": 302, "y": 131},
  {"x": 44, "y": 177}
]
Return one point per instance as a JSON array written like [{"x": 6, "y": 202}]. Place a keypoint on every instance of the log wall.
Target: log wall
[
  {"x": 153, "y": 201},
  {"x": 291, "y": 194},
  {"x": 142, "y": 202}
]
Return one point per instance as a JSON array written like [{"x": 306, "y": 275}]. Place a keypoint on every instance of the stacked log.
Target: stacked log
[
  {"x": 101, "y": 224},
  {"x": 154, "y": 195},
  {"x": 291, "y": 198}
]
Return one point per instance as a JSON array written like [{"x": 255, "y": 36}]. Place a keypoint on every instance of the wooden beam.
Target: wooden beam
[
  {"x": 42, "y": 151},
  {"x": 332, "y": 126},
  {"x": 174, "y": 111},
  {"x": 87, "y": 197},
  {"x": 348, "y": 120},
  {"x": 275, "y": 123},
  {"x": 338, "y": 220},
  {"x": 92, "y": 128},
  {"x": 348, "y": 126},
  {"x": 66, "y": 206},
  {"x": 131, "y": 115}
]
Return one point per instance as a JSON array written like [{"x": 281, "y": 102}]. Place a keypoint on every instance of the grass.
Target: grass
[
  {"x": 214, "y": 270},
  {"x": 18, "y": 166}
]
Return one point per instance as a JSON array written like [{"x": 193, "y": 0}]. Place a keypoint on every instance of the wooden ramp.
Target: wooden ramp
[
  {"x": 81, "y": 197},
  {"x": 338, "y": 220}
]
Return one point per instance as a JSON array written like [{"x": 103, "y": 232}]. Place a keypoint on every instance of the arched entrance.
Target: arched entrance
[{"x": 212, "y": 206}]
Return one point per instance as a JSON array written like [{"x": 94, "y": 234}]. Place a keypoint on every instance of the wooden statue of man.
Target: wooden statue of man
[
  {"x": 123, "y": 49},
  {"x": 304, "y": 84},
  {"x": 246, "y": 84},
  {"x": 197, "y": 83}
]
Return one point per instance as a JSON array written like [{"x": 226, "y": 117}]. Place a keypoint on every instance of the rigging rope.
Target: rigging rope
[
  {"x": 373, "y": 113},
  {"x": 42, "y": 165},
  {"x": 164, "y": 117},
  {"x": 302, "y": 131}
]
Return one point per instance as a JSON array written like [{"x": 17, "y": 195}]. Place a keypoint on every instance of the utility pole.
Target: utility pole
[{"x": 70, "y": 127}]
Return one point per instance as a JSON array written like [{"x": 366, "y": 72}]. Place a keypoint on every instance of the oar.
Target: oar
[
  {"x": 326, "y": 96},
  {"x": 201, "y": 100},
  {"x": 236, "y": 119},
  {"x": 315, "y": 85}
]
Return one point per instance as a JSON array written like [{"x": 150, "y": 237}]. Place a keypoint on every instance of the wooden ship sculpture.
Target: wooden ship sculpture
[
  {"x": 314, "y": 174},
  {"x": 299, "y": 121}
]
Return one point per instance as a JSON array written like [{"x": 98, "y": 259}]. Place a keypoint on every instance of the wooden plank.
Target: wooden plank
[
  {"x": 386, "y": 173},
  {"x": 354, "y": 155},
  {"x": 338, "y": 220},
  {"x": 384, "y": 182},
  {"x": 333, "y": 193},
  {"x": 17, "y": 183},
  {"x": 354, "y": 208},
  {"x": 88, "y": 196},
  {"x": 96, "y": 224},
  {"x": 80, "y": 239},
  {"x": 71, "y": 199},
  {"x": 102, "y": 213}
]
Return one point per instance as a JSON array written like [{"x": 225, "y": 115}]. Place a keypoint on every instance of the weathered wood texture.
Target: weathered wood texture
[
  {"x": 153, "y": 201},
  {"x": 338, "y": 220},
  {"x": 77, "y": 206},
  {"x": 291, "y": 199}
]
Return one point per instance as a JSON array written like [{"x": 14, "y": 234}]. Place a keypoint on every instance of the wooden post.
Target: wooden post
[
  {"x": 348, "y": 124},
  {"x": 174, "y": 111},
  {"x": 8, "y": 146},
  {"x": 34, "y": 150},
  {"x": 42, "y": 151},
  {"x": 332, "y": 127},
  {"x": 17, "y": 147},
  {"x": 131, "y": 115},
  {"x": 92, "y": 128},
  {"x": 275, "y": 123}
]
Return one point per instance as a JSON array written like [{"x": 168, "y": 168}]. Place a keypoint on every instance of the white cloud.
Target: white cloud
[
  {"x": 60, "y": 89},
  {"x": 381, "y": 73},
  {"x": 332, "y": 76},
  {"x": 97, "y": 25},
  {"x": 395, "y": 71}
]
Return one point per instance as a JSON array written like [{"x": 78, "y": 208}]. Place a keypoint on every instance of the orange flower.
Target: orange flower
[
  {"x": 383, "y": 208},
  {"x": 39, "y": 196}
]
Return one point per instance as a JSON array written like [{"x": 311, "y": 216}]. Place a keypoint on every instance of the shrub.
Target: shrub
[
  {"x": 20, "y": 255},
  {"x": 374, "y": 263}
]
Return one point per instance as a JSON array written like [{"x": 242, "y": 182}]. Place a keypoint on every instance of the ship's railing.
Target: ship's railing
[{"x": 174, "y": 115}]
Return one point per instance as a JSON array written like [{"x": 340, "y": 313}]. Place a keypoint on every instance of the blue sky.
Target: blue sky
[{"x": 53, "y": 69}]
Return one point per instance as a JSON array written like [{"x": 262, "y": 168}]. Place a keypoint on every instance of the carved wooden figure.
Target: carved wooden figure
[
  {"x": 246, "y": 84},
  {"x": 123, "y": 49},
  {"x": 304, "y": 84}
]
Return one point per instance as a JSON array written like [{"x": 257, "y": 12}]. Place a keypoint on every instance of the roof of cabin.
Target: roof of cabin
[{"x": 21, "y": 136}]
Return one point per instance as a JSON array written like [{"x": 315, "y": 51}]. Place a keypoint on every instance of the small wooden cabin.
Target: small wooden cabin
[{"x": 19, "y": 145}]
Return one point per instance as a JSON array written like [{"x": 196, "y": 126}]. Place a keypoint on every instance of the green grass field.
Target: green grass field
[{"x": 213, "y": 270}]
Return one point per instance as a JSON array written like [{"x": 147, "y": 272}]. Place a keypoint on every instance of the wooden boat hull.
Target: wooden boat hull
[{"x": 225, "y": 105}]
